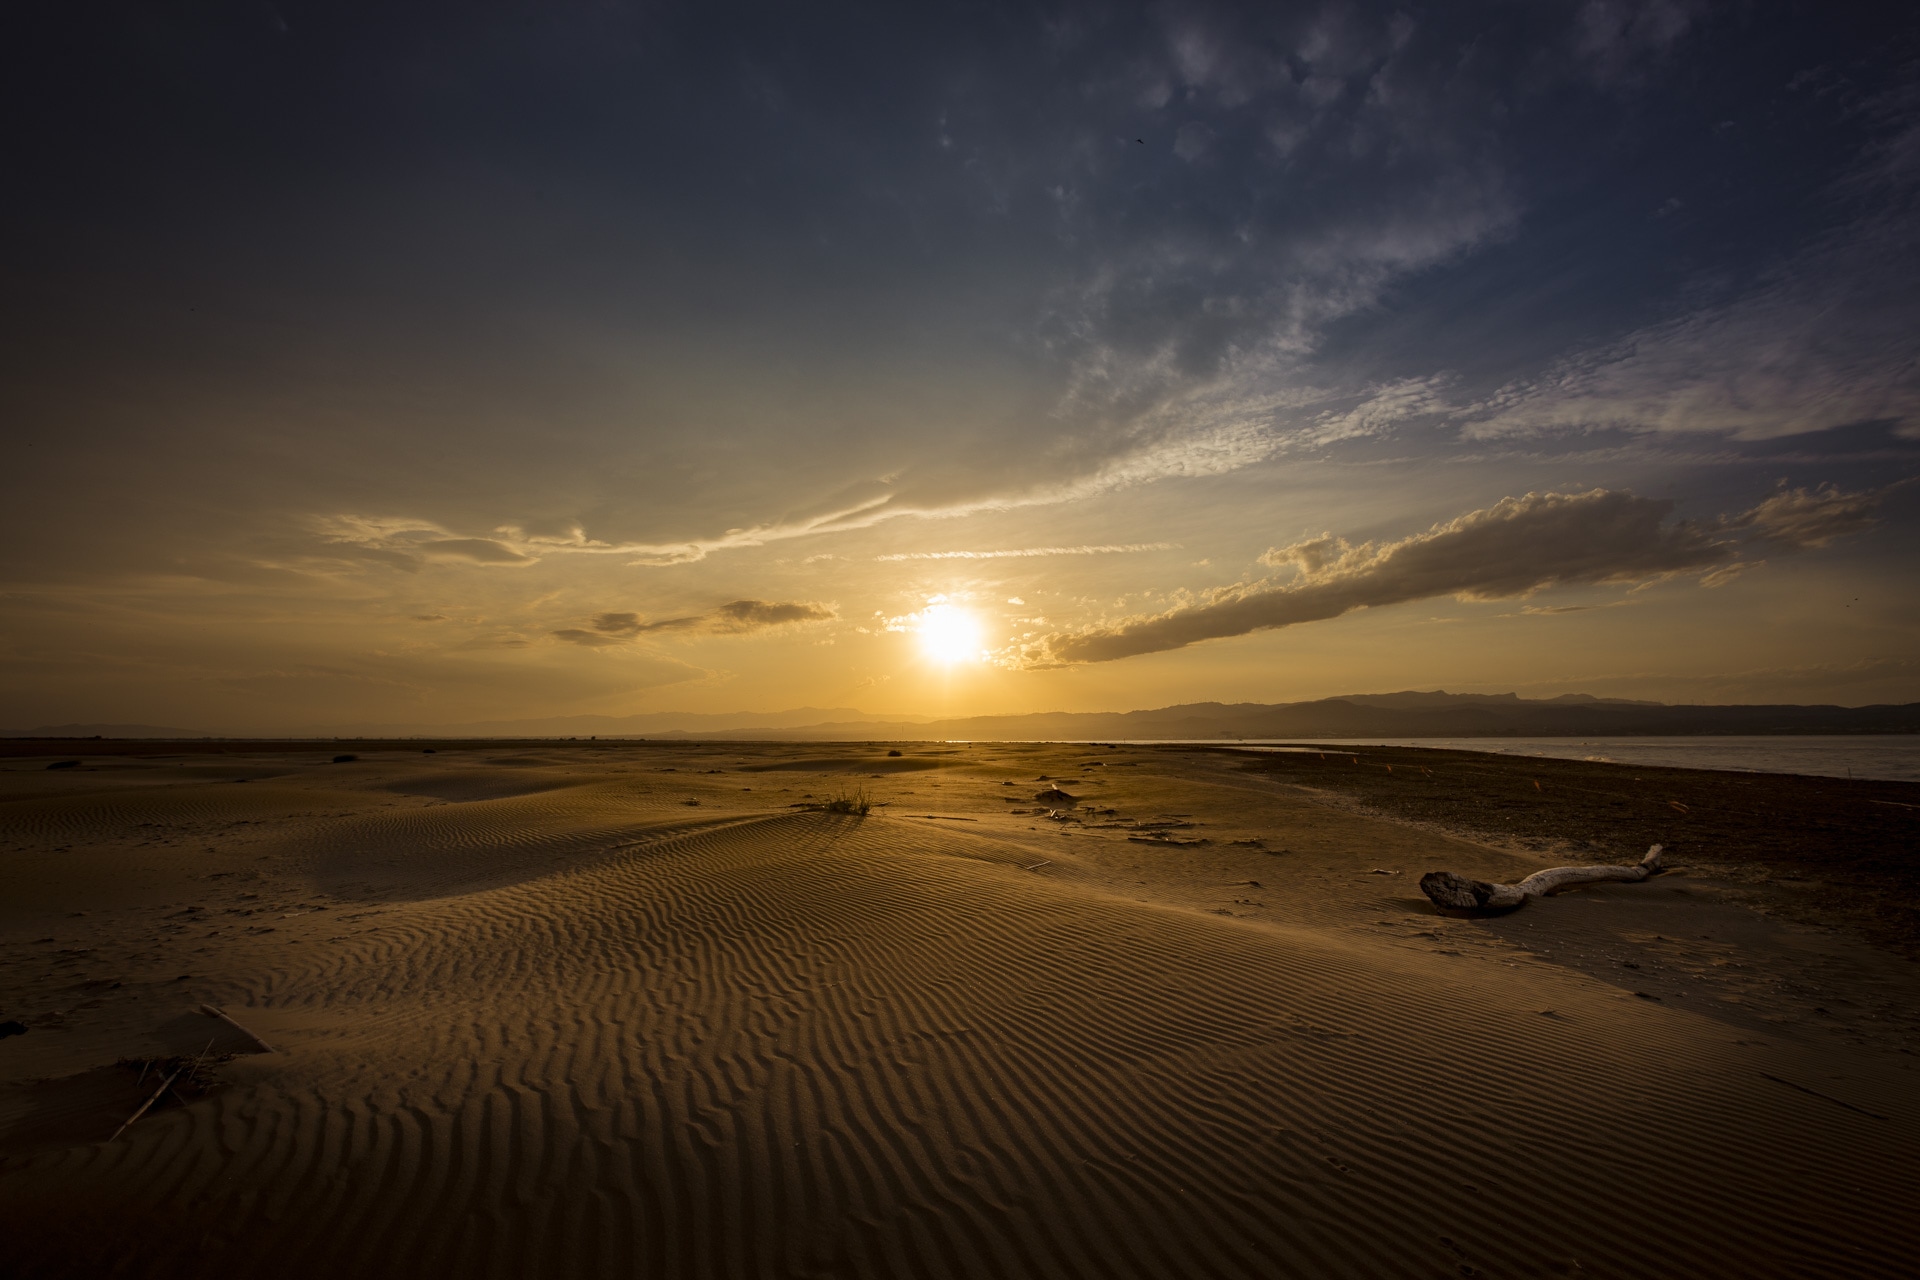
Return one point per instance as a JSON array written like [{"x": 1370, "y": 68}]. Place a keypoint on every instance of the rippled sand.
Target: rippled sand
[{"x": 624, "y": 1010}]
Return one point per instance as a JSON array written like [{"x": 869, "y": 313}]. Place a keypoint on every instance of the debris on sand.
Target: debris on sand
[
  {"x": 184, "y": 1078},
  {"x": 1446, "y": 889}
]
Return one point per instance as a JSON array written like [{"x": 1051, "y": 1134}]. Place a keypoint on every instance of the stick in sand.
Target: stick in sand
[
  {"x": 164, "y": 1086},
  {"x": 214, "y": 1011},
  {"x": 1446, "y": 889}
]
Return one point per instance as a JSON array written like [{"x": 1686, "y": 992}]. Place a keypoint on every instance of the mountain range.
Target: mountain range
[{"x": 1390, "y": 715}]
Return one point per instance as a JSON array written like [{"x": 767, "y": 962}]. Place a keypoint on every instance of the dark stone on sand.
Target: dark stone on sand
[
  {"x": 345, "y": 759},
  {"x": 11, "y": 1028},
  {"x": 64, "y": 764},
  {"x": 893, "y": 753},
  {"x": 1054, "y": 795},
  {"x": 1462, "y": 893}
]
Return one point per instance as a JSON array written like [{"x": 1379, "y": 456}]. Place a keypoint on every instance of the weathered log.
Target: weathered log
[
  {"x": 214, "y": 1011},
  {"x": 1446, "y": 889}
]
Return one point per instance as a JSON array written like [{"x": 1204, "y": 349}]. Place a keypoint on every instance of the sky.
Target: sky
[{"x": 428, "y": 363}]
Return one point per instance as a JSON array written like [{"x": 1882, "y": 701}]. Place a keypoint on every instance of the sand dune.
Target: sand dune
[{"x": 586, "y": 1028}]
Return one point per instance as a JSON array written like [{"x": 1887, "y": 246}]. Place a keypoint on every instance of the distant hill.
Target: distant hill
[
  {"x": 106, "y": 731},
  {"x": 1396, "y": 715},
  {"x": 1371, "y": 715}
]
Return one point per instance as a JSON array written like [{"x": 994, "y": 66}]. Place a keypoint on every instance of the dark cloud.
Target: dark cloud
[
  {"x": 1513, "y": 548},
  {"x": 624, "y": 625},
  {"x": 736, "y": 617},
  {"x": 590, "y": 639},
  {"x": 1795, "y": 519},
  {"x": 755, "y": 615}
]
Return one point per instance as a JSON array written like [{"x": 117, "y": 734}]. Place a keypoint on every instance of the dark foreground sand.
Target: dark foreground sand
[{"x": 538, "y": 1013}]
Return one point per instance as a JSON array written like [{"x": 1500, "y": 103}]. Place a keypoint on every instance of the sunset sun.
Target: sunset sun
[{"x": 949, "y": 635}]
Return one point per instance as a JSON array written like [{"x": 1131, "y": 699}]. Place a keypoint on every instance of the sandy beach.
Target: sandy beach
[{"x": 582, "y": 1009}]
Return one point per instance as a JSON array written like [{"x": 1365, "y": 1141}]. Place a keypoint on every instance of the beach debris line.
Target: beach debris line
[
  {"x": 182, "y": 1079},
  {"x": 1448, "y": 889}
]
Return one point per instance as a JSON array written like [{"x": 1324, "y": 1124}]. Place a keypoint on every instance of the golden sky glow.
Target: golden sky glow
[{"x": 1180, "y": 353}]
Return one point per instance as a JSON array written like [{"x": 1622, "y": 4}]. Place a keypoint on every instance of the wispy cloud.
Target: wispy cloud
[
  {"x": 1823, "y": 340},
  {"x": 407, "y": 544},
  {"x": 736, "y": 617},
  {"x": 1021, "y": 553},
  {"x": 1801, "y": 518}
]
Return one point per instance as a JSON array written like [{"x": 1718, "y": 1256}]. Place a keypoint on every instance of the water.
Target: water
[{"x": 1892, "y": 756}]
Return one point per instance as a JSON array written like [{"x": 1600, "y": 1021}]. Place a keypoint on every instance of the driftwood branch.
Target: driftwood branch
[
  {"x": 1446, "y": 889},
  {"x": 214, "y": 1011},
  {"x": 164, "y": 1086}
]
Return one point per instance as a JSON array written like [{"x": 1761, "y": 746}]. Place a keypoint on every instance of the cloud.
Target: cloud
[
  {"x": 573, "y": 635},
  {"x": 736, "y": 617},
  {"x": 1513, "y": 548},
  {"x": 1614, "y": 38},
  {"x": 626, "y": 625},
  {"x": 475, "y": 550},
  {"x": 1382, "y": 407},
  {"x": 1821, "y": 339},
  {"x": 1552, "y": 610},
  {"x": 1025, "y": 552},
  {"x": 1801, "y": 518},
  {"x": 407, "y": 543},
  {"x": 757, "y": 615}
]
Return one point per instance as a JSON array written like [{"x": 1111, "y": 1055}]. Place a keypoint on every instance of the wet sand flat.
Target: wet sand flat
[{"x": 579, "y": 1009}]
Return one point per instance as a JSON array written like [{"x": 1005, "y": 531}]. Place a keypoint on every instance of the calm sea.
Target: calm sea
[{"x": 1893, "y": 756}]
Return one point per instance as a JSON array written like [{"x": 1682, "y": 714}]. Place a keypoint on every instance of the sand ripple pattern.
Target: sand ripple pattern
[
  {"x": 808, "y": 1046},
  {"x": 143, "y": 812}
]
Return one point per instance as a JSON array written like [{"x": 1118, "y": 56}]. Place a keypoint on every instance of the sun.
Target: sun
[{"x": 949, "y": 635}]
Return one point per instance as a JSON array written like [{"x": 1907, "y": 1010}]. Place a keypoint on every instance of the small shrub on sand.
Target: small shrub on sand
[{"x": 855, "y": 802}]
